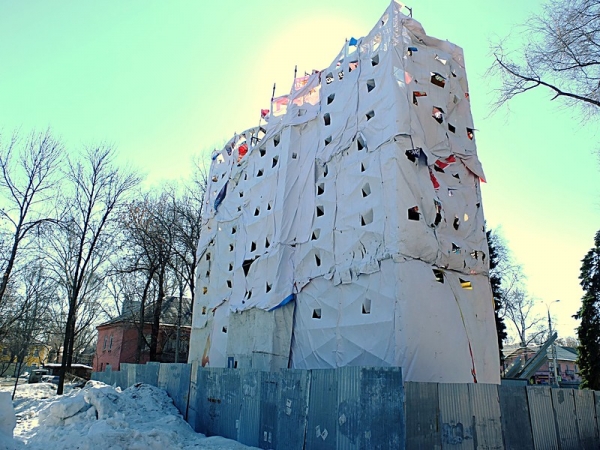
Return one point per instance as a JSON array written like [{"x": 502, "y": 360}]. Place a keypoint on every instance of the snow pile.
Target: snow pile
[{"x": 101, "y": 416}]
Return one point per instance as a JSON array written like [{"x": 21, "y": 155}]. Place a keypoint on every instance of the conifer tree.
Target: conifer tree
[
  {"x": 496, "y": 282},
  {"x": 589, "y": 314}
]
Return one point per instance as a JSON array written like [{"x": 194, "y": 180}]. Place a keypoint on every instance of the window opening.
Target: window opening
[
  {"x": 260, "y": 173},
  {"x": 455, "y": 248},
  {"x": 294, "y": 155},
  {"x": 411, "y": 50},
  {"x": 316, "y": 233},
  {"x": 215, "y": 179},
  {"x": 362, "y": 167},
  {"x": 204, "y": 290},
  {"x": 325, "y": 171},
  {"x": 269, "y": 206},
  {"x": 204, "y": 310},
  {"x": 263, "y": 151},
  {"x": 439, "y": 275},
  {"x": 438, "y": 213},
  {"x": 330, "y": 99},
  {"x": 352, "y": 65},
  {"x": 465, "y": 284},
  {"x": 275, "y": 161},
  {"x": 253, "y": 246},
  {"x": 267, "y": 243},
  {"x": 438, "y": 169},
  {"x": 470, "y": 133},
  {"x": 224, "y": 329},
  {"x": 207, "y": 275},
  {"x": 413, "y": 154},
  {"x": 276, "y": 140},
  {"x": 466, "y": 217},
  {"x": 328, "y": 140},
  {"x": 341, "y": 75},
  {"x": 474, "y": 254},
  {"x": 370, "y": 115},
  {"x": 229, "y": 284},
  {"x": 384, "y": 19},
  {"x": 245, "y": 176},
  {"x": 316, "y": 314},
  {"x": 329, "y": 78},
  {"x": 366, "y": 306},
  {"x": 241, "y": 194},
  {"x": 320, "y": 210},
  {"x": 301, "y": 112},
  {"x": 367, "y": 218},
  {"x": 366, "y": 190},
  {"x": 257, "y": 211},
  {"x": 249, "y": 295},
  {"x": 208, "y": 256},
  {"x": 438, "y": 114},
  {"x": 320, "y": 188},
  {"x": 268, "y": 287},
  {"x": 478, "y": 205},
  {"x": 327, "y": 119},
  {"x": 360, "y": 143},
  {"x": 246, "y": 265},
  {"x": 457, "y": 176},
  {"x": 375, "y": 60},
  {"x": 456, "y": 223},
  {"x": 317, "y": 260},
  {"x": 370, "y": 85},
  {"x": 413, "y": 213},
  {"x": 451, "y": 128},
  {"x": 230, "y": 247},
  {"x": 438, "y": 79},
  {"x": 230, "y": 267},
  {"x": 417, "y": 94}
]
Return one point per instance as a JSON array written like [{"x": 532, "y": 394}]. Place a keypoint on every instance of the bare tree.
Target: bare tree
[
  {"x": 27, "y": 182},
  {"x": 561, "y": 54},
  {"x": 82, "y": 243},
  {"x": 519, "y": 309}
]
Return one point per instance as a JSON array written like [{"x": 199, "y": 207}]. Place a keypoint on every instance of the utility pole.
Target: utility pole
[{"x": 554, "y": 365}]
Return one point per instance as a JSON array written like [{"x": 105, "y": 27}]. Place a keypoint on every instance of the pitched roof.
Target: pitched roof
[{"x": 168, "y": 314}]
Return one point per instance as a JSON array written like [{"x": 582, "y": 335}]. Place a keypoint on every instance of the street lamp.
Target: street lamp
[{"x": 554, "y": 365}]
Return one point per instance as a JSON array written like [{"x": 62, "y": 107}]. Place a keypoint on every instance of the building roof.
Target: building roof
[{"x": 168, "y": 315}]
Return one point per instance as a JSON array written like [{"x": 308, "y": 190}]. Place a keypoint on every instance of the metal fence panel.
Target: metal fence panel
[
  {"x": 516, "y": 424},
  {"x": 148, "y": 373},
  {"x": 175, "y": 379},
  {"x": 422, "y": 416},
  {"x": 566, "y": 419},
  {"x": 586, "y": 423},
  {"x": 193, "y": 412},
  {"x": 292, "y": 408},
  {"x": 486, "y": 411},
  {"x": 456, "y": 416},
  {"x": 351, "y": 430},
  {"x": 249, "y": 422},
  {"x": 219, "y": 402},
  {"x": 321, "y": 431},
  {"x": 382, "y": 408},
  {"x": 269, "y": 387},
  {"x": 542, "y": 419}
]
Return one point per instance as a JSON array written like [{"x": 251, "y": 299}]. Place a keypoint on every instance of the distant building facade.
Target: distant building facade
[
  {"x": 118, "y": 338},
  {"x": 566, "y": 364}
]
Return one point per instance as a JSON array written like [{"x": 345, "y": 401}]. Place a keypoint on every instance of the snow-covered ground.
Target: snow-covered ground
[{"x": 98, "y": 417}]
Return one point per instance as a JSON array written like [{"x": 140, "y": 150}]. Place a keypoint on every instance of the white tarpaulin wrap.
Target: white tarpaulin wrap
[{"x": 349, "y": 230}]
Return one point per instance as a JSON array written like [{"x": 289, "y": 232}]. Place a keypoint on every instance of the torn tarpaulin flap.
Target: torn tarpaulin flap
[
  {"x": 285, "y": 301},
  {"x": 221, "y": 196}
]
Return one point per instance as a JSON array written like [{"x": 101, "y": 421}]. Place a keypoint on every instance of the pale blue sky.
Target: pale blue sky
[{"x": 167, "y": 80}]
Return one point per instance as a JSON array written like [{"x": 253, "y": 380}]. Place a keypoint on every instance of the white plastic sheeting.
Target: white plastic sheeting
[{"x": 356, "y": 211}]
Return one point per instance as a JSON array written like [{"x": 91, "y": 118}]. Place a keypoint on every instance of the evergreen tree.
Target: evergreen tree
[
  {"x": 497, "y": 293},
  {"x": 588, "y": 331}
]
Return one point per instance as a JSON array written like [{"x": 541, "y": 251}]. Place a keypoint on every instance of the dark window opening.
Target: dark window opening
[
  {"x": 352, "y": 66},
  {"x": 457, "y": 176},
  {"x": 294, "y": 155},
  {"x": 411, "y": 50},
  {"x": 455, "y": 248},
  {"x": 330, "y": 99},
  {"x": 413, "y": 154},
  {"x": 366, "y": 190},
  {"x": 367, "y": 218},
  {"x": 370, "y": 115},
  {"x": 320, "y": 188},
  {"x": 439, "y": 275},
  {"x": 470, "y": 133},
  {"x": 327, "y": 119},
  {"x": 268, "y": 206},
  {"x": 316, "y": 233},
  {"x": 257, "y": 211},
  {"x": 317, "y": 260},
  {"x": 276, "y": 140},
  {"x": 249, "y": 294},
  {"x": 475, "y": 254},
  {"x": 263, "y": 151},
  {"x": 366, "y": 306},
  {"x": 478, "y": 204},
  {"x": 241, "y": 194},
  {"x": 362, "y": 167},
  {"x": 341, "y": 75},
  {"x": 204, "y": 310},
  {"x": 208, "y": 256},
  {"x": 417, "y": 94},
  {"x": 246, "y": 265},
  {"x": 233, "y": 230},
  {"x": 451, "y": 128},
  {"x": 267, "y": 243},
  {"x": 328, "y": 140},
  {"x": 370, "y": 85},
  {"x": 230, "y": 267},
  {"x": 316, "y": 313},
  {"x": 438, "y": 79},
  {"x": 413, "y": 213},
  {"x": 253, "y": 246},
  {"x": 231, "y": 247},
  {"x": 207, "y": 274},
  {"x": 260, "y": 173},
  {"x": 229, "y": 284},
  {"x": 329, "y": 78},
  {"x": 438, "y": 114},
  {"x": 320, "y": 210},
  {"x": 275, "y": 161},
  {"x": 438, "y": 169},
  {"x": 325, "y": 171},
  {"x": 375, "y": 60},
  {"x": 268, "y": 288},
  {"x": 456, "y": 222},
  {"x": 360, "y": 143}
]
